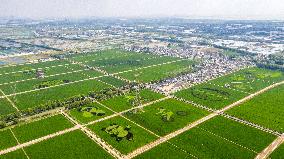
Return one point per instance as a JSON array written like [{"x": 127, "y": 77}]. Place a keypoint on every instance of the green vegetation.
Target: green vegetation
[
  {"x": 90, "y": 112},
  {"x": 113, "y": 81},
  {"x": 7, "y": 139},
  {"x": 165, "y": 151},
  {"x": 176, "y": 115},
  {"x": 119, "y": 132},
  {"x": 5, "y": 106},
  {"x": 250, "y": 80},
  {"x": 265, "y": 109},
  {"x": 121, "y": 103},
  {"x": 34, "y": 130},
  {"x": 72, "y": 145},
  {"x": 211, "y": 96},
  {"x": 157, "y": 73},
  {"x": 18, "y": 154},
  {"x": 140, "y": 136},
  {"x": 278, "y": 153}
]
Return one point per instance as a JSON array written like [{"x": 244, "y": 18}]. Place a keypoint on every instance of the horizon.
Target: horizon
[{"x": 129, "y": 9}]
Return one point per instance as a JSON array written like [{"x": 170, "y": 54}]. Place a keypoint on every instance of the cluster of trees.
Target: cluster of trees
[
  {"x": 70, "y": 103},
  {"x": 272, "y": 62}
]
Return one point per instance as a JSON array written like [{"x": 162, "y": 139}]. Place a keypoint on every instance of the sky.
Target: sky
[{"x": 207, "y": 9}]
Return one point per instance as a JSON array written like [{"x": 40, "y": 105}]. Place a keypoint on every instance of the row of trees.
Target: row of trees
[{"x": 70, "y": 103}]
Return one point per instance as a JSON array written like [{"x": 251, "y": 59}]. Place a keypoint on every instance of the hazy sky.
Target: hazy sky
[{"x": 220, "y": 9}]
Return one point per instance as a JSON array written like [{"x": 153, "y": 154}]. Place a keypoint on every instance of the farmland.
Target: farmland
[
  {"x": 103, "y": 104},
  {"x": 265, "y": 109}
]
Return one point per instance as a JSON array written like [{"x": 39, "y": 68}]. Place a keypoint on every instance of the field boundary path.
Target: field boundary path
[
  {"x": 270, "y": 148},
  {"x": 9, "y": 100},
  {"x": 194, "y": 124}
]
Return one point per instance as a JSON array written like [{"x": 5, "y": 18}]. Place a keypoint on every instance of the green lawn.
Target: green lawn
[
  {"x": 37, "y": 129},
  {"x": 121, "y": 103},
  {"x": 140, "y": 136},
  {"x": 183, "y": 114},
  {"x": 85, "y": 118},
  {"x": 266, "y": 109},
  {"x": 211, "y": 96},
  {"x": 7, "y": 139},
  {"x": 72, "y": 145}
]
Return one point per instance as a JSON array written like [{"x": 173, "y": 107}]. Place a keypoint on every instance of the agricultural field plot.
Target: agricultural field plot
[
  {"x": 72, "y": 145},
  {"x": 166, "y": 116},
  {"x": 89, "y": 113},
  {"x": 59, "y": 93},
  {"x": 211, "y": 96},
  {"x": 40, "y": 128},
  {"x": 249, "y": 80},
  {"x": 121, "y": 103},
  {"x": 122, "y": 134},
  {"x": 278, "y": 153},
  {"x": 26, "y": 75},
  {"x": 5, "y": 106},
  {"x": 159, "y": 72},
  {"x": 113, "y": 81},
  {"x": 15, "y": 154},
  {"x": 166, "y": 151},
  {"x": 48, "y": 81},
  {"x": 265, "y": 109},
  {"x": 7, "y": 139},
  {"x": 218, "y": 138},
  {"x": 32, "y": 66}
]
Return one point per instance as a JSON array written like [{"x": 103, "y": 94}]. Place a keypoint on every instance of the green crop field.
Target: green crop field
[
  {"x": 250, "y": 80},
  {"x": 5, "y": 107},
  {"x": 121, "y": 103},
  {"x": 13, "y": 155},
  {"x": 7, "y": 139},
  {"x": 113, "y": 81},
  {"x": 216, "y": 138},
  {"x": 180, "y": 114},
  {"x": 265, "y": 109},
  {"x": 211, "y": 96},
  {"x": 140, "y": 136},
  {"x": 41, "y": 128},
  {"x": 157, "y": 73},
  {"x": 86, "y": 116},
  {"x": 56, "y": 93},
  {"x": 72, "y": 145}
]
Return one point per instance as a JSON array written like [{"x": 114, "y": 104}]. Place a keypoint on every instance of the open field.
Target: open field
[
  {"x": 211, "y": 96},
  {"x": 120, "y": 103},
  {"x": 159, "y": 72},
  {"x": 179, "y": 115},
  {"x": 65, "y": 146},
  {"x": 7, "y": 139},
  {"x": 6, "y": 107},
  {"x": 85, "y": 116},
  {"x": 113, "y": 81},
  {"x": 265, "y": 109},
  {"x": 249, "y": 80},
  {"x": 41, "y": 128},
  {"x": 140, "y": 136},
  {"x": 56, "y": 93},
  {"x": 217, "y": 138}
]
